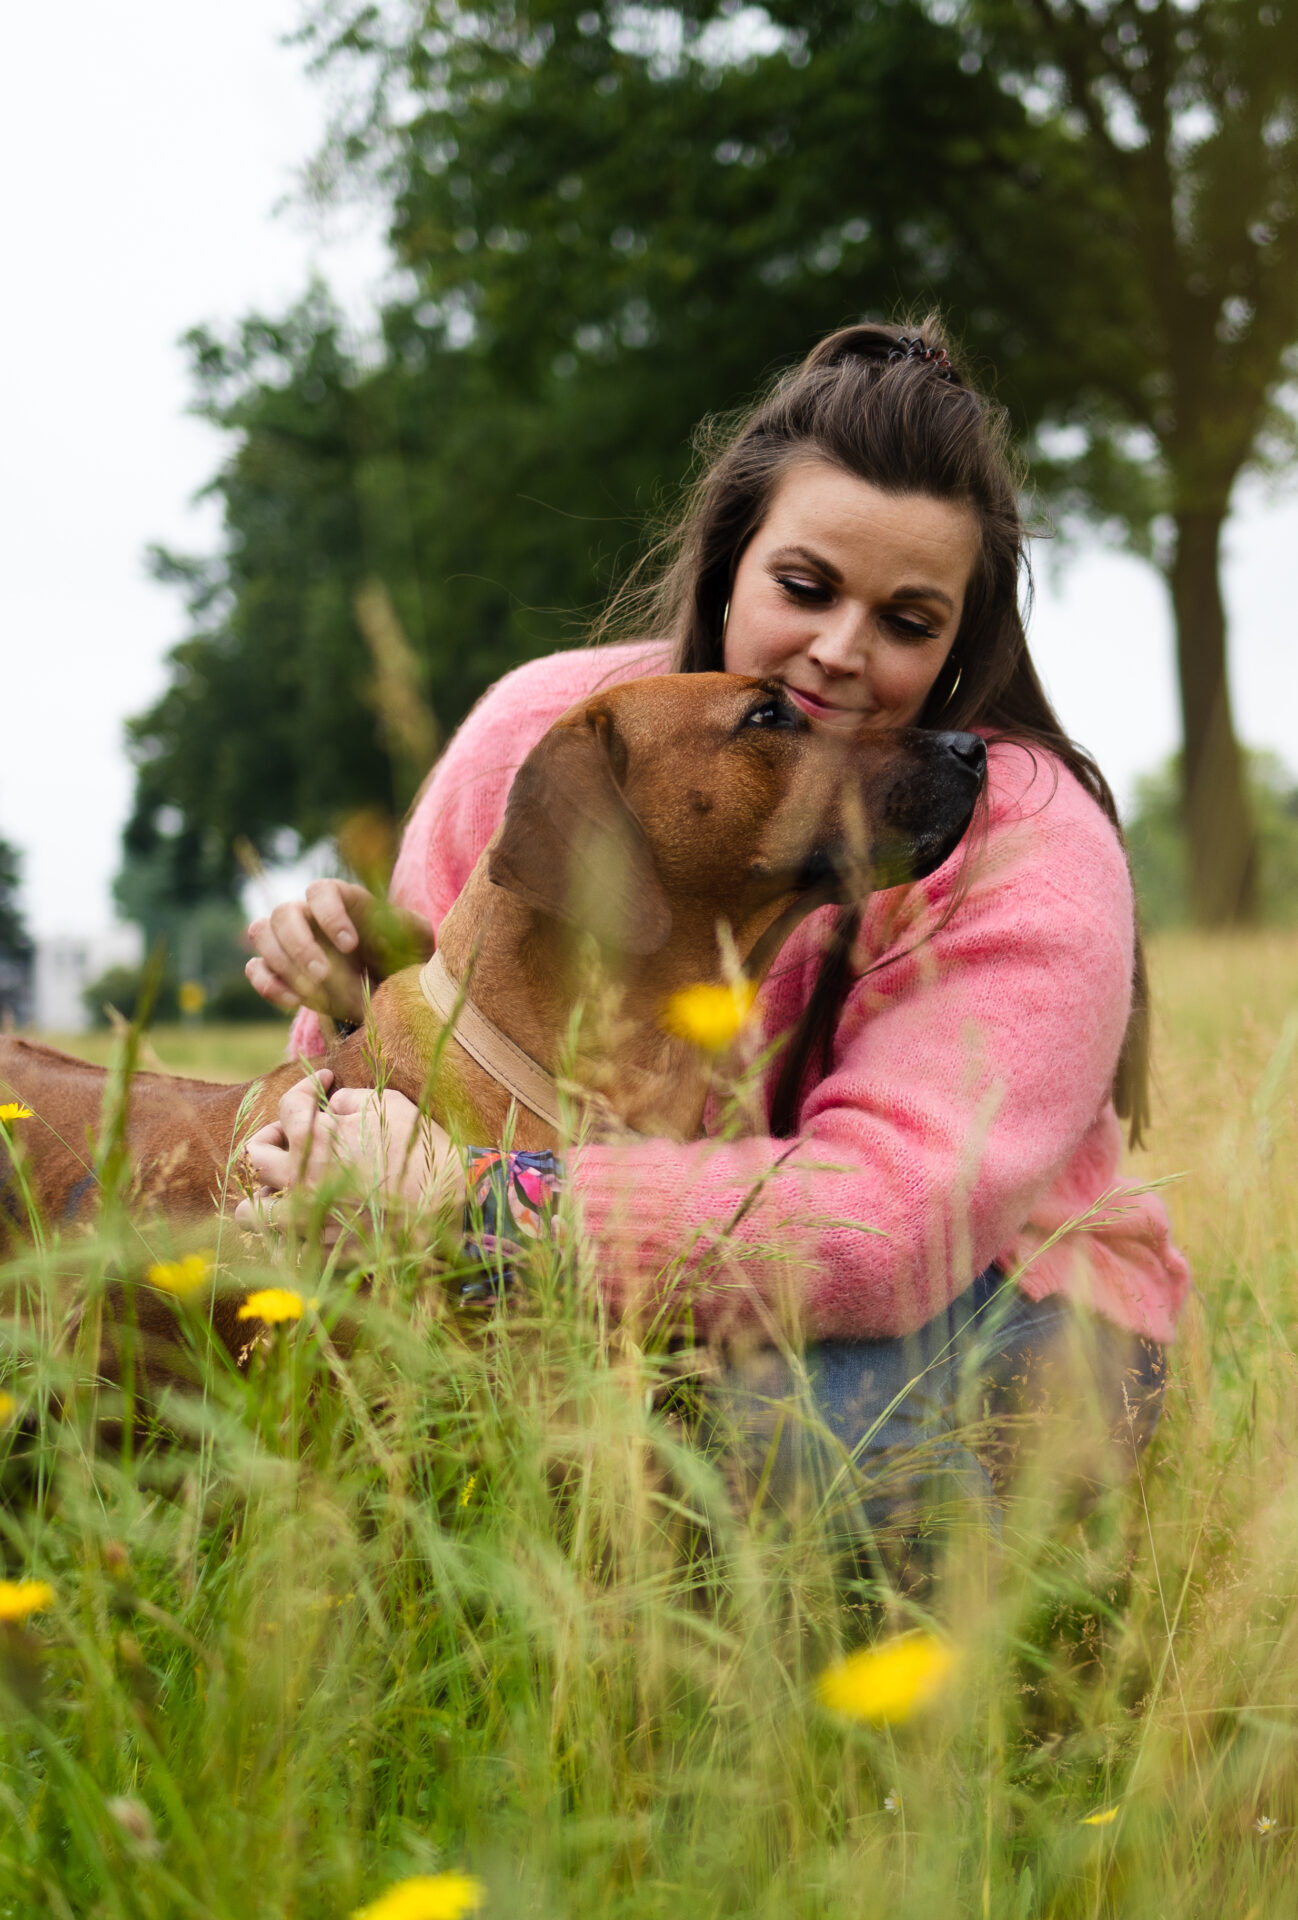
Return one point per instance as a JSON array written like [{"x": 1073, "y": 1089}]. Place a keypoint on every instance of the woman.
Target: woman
[{"x": 957, "y": 1054}]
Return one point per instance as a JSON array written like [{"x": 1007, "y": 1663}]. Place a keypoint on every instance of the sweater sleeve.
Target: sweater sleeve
[{"x": 965, "y": 1072}]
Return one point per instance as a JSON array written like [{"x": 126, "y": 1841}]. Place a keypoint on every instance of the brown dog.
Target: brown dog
[{"x": 646, "y": 818}]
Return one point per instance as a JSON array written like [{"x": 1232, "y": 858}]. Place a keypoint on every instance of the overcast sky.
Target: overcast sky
[{"x": 145, "y": 151}]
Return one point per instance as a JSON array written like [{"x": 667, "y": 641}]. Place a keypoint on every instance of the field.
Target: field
[
  {"x": 415, "y": 1597},
  {"x": 208, "y": 1053}
]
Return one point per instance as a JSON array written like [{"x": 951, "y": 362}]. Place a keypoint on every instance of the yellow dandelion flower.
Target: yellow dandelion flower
[
  {"x": 709, "y": 1017},
  {"x": 1104, "y": 1818},
  {"x": 15, "y": 1110},
  {"x": 181, "y": 1277},
  {"x": 18, "y": 1598},
  {"x": 8, "y": 1406},
  {"x": 192, "y": 996},
  {"x": 273, "y": 1304},
  {"x": 889, "y": 1682},
  {"x": 429, "y": 1896}
]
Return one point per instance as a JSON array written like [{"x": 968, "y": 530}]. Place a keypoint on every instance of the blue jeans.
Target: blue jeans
[{"x": 878, "y": 1432}]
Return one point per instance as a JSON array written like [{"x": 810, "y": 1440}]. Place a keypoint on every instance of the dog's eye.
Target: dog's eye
[{"x": 773, "y": 713}]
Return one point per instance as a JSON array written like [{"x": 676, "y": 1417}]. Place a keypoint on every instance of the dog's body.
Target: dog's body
[{"x": 645, "y": 819}]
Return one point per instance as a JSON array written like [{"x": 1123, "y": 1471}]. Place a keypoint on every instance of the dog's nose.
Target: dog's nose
[{"x": 966, "y": 747}]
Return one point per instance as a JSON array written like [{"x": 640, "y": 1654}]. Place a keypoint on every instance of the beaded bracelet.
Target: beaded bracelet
[{"x": 510, "y": 1205}]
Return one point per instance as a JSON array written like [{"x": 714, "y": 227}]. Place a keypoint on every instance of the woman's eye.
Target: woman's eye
[
  {"x": 809, "y": 592},
  {"x": 910, "y": 629}
]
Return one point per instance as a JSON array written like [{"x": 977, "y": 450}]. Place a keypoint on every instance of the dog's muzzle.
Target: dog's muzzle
[{"x": 924, "y": 817}]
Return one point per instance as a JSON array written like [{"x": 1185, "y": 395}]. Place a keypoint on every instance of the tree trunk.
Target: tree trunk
[{"x": 1222, "y": 846}]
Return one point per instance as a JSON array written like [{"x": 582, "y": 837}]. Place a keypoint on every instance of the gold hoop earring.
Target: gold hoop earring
[
  {"x": 725, "y": 621},
  {"x": 951, "y": 696}
]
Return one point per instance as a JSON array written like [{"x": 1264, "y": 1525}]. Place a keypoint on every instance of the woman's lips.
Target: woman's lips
[{"x": 818, "y": 709}]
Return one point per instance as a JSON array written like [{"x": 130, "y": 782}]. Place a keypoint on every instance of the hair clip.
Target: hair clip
[{"x": 911, "y": 347}]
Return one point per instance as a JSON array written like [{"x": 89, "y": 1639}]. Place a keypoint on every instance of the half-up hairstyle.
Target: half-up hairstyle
[{"x": 886, "y": 404}]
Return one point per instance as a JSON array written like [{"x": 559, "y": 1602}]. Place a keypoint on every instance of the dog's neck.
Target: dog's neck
[{"x": 596, "y": 1026}]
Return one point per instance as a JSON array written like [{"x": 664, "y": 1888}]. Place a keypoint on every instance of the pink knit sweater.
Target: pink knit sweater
[{"x": 966, "y": 1116}]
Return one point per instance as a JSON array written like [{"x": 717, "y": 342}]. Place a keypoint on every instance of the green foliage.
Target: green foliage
[
  {"x": 201, "y": 941},
  {"x": 417, "y": 1593},
  {"x": 15, "y": 941},
  {"x": 230, "y": 1000},
  {"x": 1156, "y": 839},
  {"x": 1186, "y": 115},
  {"x": 125, "y": 990},
  {"x": 613, "y": 225},
  {"x": 227, "y": 1000},
  {"x": 16, "y": 950}
]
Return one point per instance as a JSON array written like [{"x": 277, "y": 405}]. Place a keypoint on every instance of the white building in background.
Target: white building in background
[{"x": 66, "y": 963}]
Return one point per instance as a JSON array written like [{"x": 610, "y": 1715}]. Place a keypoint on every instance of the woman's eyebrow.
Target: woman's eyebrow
[
  {"x": 816, "y": 560},
  {"x": 925, "y": 593}
]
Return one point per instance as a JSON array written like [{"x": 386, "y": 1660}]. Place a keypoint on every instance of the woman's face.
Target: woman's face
[{"x": 851, "y": 596}]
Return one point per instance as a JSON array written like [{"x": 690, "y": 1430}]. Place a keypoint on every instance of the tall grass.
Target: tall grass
[{"x": 419, "y": 1591}]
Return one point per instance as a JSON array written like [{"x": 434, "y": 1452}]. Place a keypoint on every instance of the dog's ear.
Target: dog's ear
[{"x": 571, "y": 846}]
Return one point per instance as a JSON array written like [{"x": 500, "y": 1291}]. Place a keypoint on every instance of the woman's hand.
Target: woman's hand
[
  {"x": 319, "y": 952},
  {"x": 396, "y": 1153}
]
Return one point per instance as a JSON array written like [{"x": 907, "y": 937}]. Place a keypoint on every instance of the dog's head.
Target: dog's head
[{"x": 713, "y": 795}]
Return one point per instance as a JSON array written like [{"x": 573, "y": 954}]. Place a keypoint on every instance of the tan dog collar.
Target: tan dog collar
[{"x": 521, "y": 1076}]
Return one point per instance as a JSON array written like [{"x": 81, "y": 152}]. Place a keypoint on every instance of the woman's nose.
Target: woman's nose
[{"x": 841, "y": 642}]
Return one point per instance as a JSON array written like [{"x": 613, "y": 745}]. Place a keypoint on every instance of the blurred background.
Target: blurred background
[{"x": 352, "y": 353}]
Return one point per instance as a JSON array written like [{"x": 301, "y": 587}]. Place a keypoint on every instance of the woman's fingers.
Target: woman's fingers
[
  {"x": 336, "y": 906},
  {"x": 282, "y": 1150},
  {"x": 278, "y": 941},
  {"x": 274, "y": 1166},
  {"x": 258, "y": 1211},
  {"x": 300, "y": 1107},
  {"x": 382, "y": 1136},
  {"x": 269, "y": 985},
  {"x": 303, "y": 962},
  {"x": 293, "y": 947},
  {"x": 273, "y": 1155},
  {"x": 391, "y": 937},
  {"x": 349, "y": 1100},
  {"x": 317, "y": 952}
]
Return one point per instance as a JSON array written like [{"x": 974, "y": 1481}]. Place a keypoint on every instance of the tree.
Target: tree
[
  {"x": 194, "y": 949},
  {"x": 16, "y": 949},
  {"x": 1157, "y": 842},
  {"x": 1188, "y": 113},
  {"x": 613, "y": 224}
]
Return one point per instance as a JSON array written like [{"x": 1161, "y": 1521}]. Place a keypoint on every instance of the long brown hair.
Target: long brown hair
[{"x": 883, "y": 403}]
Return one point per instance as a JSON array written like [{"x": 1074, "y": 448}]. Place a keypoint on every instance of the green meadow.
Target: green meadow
[{"x": 423, "y": 1592}]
